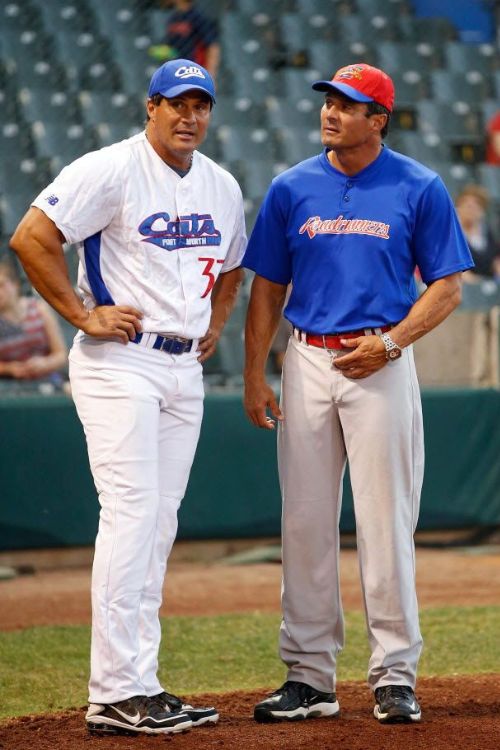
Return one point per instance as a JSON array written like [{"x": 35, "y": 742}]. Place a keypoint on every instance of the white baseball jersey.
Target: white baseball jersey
[{"x": 147, "y": 237}]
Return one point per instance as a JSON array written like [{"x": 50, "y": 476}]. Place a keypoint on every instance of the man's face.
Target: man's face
[
  {"x": 178, "y": 126},
  {"x": 9, "y": 291},
  {"x": 344, "y": 123}
]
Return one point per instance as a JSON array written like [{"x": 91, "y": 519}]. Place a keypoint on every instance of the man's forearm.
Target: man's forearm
[
  {"x": 39, "y": 248},
  {"x": 435, "y": 304}
]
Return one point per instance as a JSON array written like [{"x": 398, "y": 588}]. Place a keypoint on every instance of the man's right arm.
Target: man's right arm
[
  {"x": 39, "y": 246},
  {"x": 263, "y": 317}
]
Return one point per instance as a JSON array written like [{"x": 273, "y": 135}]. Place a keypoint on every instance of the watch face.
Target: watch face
[{"x": 394, "y": 353}]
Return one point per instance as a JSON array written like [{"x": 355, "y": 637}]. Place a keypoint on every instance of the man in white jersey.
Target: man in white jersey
[{"x": 161, "y": 235}]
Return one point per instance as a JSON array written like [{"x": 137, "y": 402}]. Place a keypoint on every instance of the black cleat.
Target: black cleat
[
  {"x": 294, "y": 701},
  {"x": 198, "y": 716},
  {"x": 396, "y": 704},
  {"x": 136, "y": 714}
]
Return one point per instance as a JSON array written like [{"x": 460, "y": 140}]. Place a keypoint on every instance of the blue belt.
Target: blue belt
[{"x": 169, "y": 344}]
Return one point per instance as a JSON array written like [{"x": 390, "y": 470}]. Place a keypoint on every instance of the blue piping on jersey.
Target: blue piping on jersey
[{"x": 92, "y": 249}]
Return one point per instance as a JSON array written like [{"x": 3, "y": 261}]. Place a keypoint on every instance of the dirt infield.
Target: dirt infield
[{"x": 457, "y": 712}]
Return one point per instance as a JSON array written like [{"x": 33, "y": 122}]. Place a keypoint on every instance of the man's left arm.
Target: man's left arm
[
  {"x": 224, "y": 296},
  {"x": 436, "y": 303}
]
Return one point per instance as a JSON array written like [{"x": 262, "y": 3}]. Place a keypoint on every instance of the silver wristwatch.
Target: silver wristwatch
[{"x": 392, "y": 350}]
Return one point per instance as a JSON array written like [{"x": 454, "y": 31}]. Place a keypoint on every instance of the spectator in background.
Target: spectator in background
[
  {"x": 493, "y": 140},
  {"x": 471, "y": 205},
  {"x": 189, "y": 34},
  {"x": 31, "y": 342}
]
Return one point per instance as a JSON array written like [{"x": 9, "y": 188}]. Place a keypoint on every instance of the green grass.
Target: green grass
[{"x": 46, "y": 669}]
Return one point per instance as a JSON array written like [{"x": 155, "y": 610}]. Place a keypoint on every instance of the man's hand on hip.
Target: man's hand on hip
[
  {"x": 120, "y": 322},
  {"x": 368, "y": 356}
]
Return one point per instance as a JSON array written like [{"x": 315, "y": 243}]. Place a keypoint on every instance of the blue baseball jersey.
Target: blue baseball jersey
[{"x": 349, "y": 244}]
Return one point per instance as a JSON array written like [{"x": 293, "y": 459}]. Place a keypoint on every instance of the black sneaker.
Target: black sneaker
[
  {"x": 395, "y": 704},
  {"x": 136, "y": 714},
  {"x": 296, "y": 700},
  {"x": 198, "y": 716}
]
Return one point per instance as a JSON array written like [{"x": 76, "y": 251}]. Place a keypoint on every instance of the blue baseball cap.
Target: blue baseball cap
[{"x": 177, "y": 76}]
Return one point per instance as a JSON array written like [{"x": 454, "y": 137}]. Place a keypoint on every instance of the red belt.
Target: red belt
[{"x": 332, "y": 340}]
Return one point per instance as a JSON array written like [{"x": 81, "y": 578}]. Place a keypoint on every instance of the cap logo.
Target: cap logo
[
  {"x": 353, "y": 71},
  {"x": 189, "y": 72}
]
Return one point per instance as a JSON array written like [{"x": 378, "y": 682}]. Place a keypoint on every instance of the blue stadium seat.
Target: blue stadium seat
[
  {"x": 397, "y": 57},
  {"x": 298, "y": 143},
  {"x": 449, "y": 87},
  {"x": 358, "y": 28},
  {"x": 328, "y": 57},
  {"x": 62, "y": 143},
  {"x": 99, "y": 107},
  {"x": 49, "y": 106},
  {"x": 303, "y": 113},
  {"x": 66, "y": 16},
  {"x": 242, "y": 111},
  {"x": 81, "y": 50},
  {"x": 245, "y": 143},
  {"x": 465, "y": 58}
]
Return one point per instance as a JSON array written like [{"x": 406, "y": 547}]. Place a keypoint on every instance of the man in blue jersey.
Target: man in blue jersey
[{"x": 347, "y": 229}]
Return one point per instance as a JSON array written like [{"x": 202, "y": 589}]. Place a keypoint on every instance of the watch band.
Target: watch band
[{"x": 392, "y": 350}]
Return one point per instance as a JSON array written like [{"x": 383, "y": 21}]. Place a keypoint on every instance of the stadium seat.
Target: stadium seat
[
  {"x": 449, "y": 86},
  {"x": 466, "y": 58},
  {"x": 455, "y": 176},
  {"x": 432, "y": 30},
  {"x": 257, "y": 84},
  {"x": 296, "y": 112},
  {"x": 464, "y": 127},
  {"x": 257, "y": 176},
  {"x": 427, "y": 148},
  {"x": 245, "y": 143},
  {"x": 130, "y": 53},
  {"x": 62, "y": 143},
  {"x": 23, "y": 176},
  {"x": 67, "y": 16},
  {"x": 100, "y": 77},
  {"x": 21, "y": 15},
  {"x": 328, "y": 9},
  {"x": 242, "y": 111},
  {"x": 298, "y": 33},
  {"x": 78, "y": 51},
  {"x": 358, "y": 28},
  {"x": 398, "y": 57},
  {"x": 489, "y": 176},
  {"x": 328, "y": 57},
  {"x": 297, "y": 85},
  {"x": 16, "y": 139},
  {"x": 100, "y": 107},
  {"x": 50, "y": 106},
  {"x": 119, "y": 17},
  {"x": 113, "y": 132},
  {"x": 297, "y": 144},
  {"x": 13, "y": 206}
]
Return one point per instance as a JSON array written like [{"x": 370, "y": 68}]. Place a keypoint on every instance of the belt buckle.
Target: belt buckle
[{"x": 174, "y": 345}]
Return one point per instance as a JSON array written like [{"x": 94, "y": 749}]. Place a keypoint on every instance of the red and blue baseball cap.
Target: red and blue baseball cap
[
  {"x": 362, "y": 83},
  {"x": 177, "y": 76}
]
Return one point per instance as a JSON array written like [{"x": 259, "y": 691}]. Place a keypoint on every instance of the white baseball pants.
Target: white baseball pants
[
  {"x": 141, "y": 410},
  {"x": 376, "y": 423}
]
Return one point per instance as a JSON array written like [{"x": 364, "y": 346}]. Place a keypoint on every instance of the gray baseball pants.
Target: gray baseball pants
[{"x": 376, "y": 424}]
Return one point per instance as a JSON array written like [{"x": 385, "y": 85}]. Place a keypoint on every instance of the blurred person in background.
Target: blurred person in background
[
  {"x": 189, "y": 34},
  {"x": 472, "y": 205},
  {"x": 493, "y": 140},
  {"x": 31, "y": 342}
]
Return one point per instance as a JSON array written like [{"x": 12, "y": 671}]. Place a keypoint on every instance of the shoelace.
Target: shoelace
[{"x": 396, "y": 691}]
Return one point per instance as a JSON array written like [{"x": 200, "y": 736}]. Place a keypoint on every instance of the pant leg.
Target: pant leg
[
  {"x": 117, "y": 394},
  {"x": 311, "y": 458},
  {"x": 382, "y": 421},
  {"x": 180, "y": 422}
]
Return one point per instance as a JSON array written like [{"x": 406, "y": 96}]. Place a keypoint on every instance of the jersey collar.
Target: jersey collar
[{"x": 371, "y": 169}]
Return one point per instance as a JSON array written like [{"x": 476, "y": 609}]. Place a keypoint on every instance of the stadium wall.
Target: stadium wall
[{"x": 48, "y": 497}]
